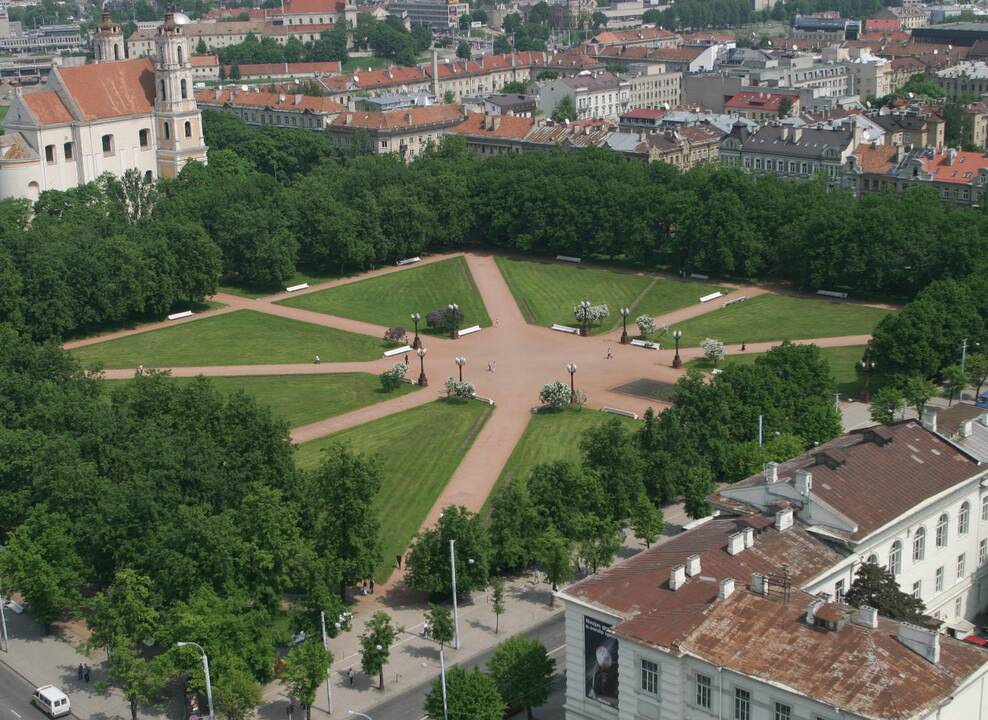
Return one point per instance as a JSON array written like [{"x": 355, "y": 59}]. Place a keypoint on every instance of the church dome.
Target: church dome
[{"x": 182, "y": 19}]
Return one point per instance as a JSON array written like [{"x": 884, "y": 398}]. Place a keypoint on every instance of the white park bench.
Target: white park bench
[
  {"x": 833, "y": 294},
  {"x": 735, "y": 301},
  {"x": 296, "y": 288},
  {"x": 180, "y": 315},
  {"x": 408, "y": 261},
  {"x": 711, "y": 296},
  {"x": 716, "y": 371},
  {"x": 569, "y": 258},
  {"x": 619, "y": 411},
  {"x": 485, "y": 400},
  {"x": 470, "y": 330},
  {"x": 565, "y": 329},
  {"x": 645, "y": 344},
  {"x": 698, "y": 276},
  {"x": 398, "y": 351}
]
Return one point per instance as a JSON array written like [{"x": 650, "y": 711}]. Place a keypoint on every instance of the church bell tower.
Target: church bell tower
[{"x": 108, "y": 42}]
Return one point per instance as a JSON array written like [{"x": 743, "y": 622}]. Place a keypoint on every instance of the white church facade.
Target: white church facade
[{"x": 112, "y": 116}]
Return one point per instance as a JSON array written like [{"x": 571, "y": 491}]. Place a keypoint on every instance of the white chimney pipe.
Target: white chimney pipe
[
  {"x": 735, "y": 543},
  {"x": 678, "y": 577},
  {"x": 921, "y": 641},
  {"x": 693, "y": 565},
  {"x": 783, "y": 519},
  {"x": 726, "y": 588},
  {"x": 967, "y": 427},
  {"x": 759, "y": 584},
  {"x": 749, "y": 537},
  {"x": 771, "y": 473},
  {"x": 804, "y": 482},
  {"x": 929, "y": 417},
  {"x": 811, "y": 610},
  {"x": 867, "y": 617}
]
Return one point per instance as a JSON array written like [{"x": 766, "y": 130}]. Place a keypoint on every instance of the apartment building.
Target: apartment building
[
  {"x": 790, "y": 152},
  {"x": 407, "y": 132},
  {"x": 967, "y": 79},
  {"x": 272, "y": 109},
  {"x": 651, "y": 86},
  {"x": 594, "y": 95}
]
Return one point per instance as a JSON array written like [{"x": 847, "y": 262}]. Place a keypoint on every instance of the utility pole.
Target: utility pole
[{"x": 325, "y": 644}]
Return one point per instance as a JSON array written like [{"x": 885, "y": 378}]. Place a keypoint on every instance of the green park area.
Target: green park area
[
  {"x": 391, "y": 299},
  {"x": 547, "y": 292},
  {"x": 255, "y": 291},
  {"x": 243, "y": 337},
  {"x": 552, "y": 436},
  {"x": 843, "y": 363},
  {"x": 304, "y": 399},
  {"x": 780, "y": 317},
  {"x": 418, "y": 450}
]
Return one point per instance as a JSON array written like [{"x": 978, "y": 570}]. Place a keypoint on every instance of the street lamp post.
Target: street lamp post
[
  {"x": 571, "y": 367},
  {"x": 325, "y": 644},
  {"x": 417, "y": 342},
  {"x": 584, "y": 317},
  {"x": 423, "y": 380},
  {"x": 454, "y": 310},
  {"x": 677, "y": 361},
  {"x": 205, "y": 670},
  {"x": 867, "y": 365},
  {"x": 3, "y": 620},
  {"x": 625, "y": 312},
  {"x": 460, "y": 362},
  {"x": 442, "y": 674},
  {"x": 456, "y": 612}
]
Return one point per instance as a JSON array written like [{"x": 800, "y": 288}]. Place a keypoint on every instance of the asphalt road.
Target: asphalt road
[
  {"x": 15, "y": 698},
  {"x": 552, "y": 633}
]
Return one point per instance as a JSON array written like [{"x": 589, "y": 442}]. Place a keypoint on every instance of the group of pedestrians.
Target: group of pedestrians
[{"x": 83, "y": 672}]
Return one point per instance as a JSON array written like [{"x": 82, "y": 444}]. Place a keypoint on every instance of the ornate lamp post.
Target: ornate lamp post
[
  {"x": 423, "y": 380},
  {"x": 571, "y": 367},
  {"x": 460, "y": 362},
  {"x": 584, "y": 315},
  {"x": 625, "y": 312},
  {"x": 677, "y": 362},
  {"x": 416, "y": 343},
  {"x": 454, "y": 314},
  {"x": 867, "y": 365}
]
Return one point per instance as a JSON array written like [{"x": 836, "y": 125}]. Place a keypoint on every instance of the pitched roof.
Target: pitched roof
[
  {"x": 47, "y": 107},
  {"x": 812, "y": 142},
  {"x": 585, "y": 133},
  {"x": 442, "y": 115},
  {"x": 112, "y": 89},
  {"x": 612, "y": 37},
  {"x": 268, "y": 69},
  {"x": 277, "y": 101},
  {"x": 501, "y": 126},
  {"x": 204, "y": 61},
  {"x": 877, "y": 160},
  {"x": 748, "y": 100},
  {"x": 313, "y": 7},
  {"x": 881, "y": 473},
  {"x": 950, "y": 419},
  {"x": 864, "y": 671},
  {"x": 643, "y": 114},
  {"x": 638, "y": 591},
  {"x": 953, "y": 166},
  {"x": 600, "y": 81}
]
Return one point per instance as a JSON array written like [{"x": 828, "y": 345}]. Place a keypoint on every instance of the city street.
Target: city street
[{"x": 15, "y": 697}]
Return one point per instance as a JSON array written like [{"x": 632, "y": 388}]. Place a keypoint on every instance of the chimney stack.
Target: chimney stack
[
  {"x": 771, "y": 473},
  {"x": 983, "y": 419},
  {"x": 929, "y": 417},
  {"x": 812, "y": 608},
  {"x": 783, "y": 520},
  {"x": 749, "y": 537},
  {"x": 735, "y": 543},
  {"x": 921, "y": 641},
  {"x": 693, "y": 565},
  {"x": 867, "y": 617},
  {"x": 759, "y": 584},
  {"x": 726, "y": 588},
  {"x": 678, "y": 577},
  {"x": 804, "y": 483},
  {"x": 967, "y": 427}
]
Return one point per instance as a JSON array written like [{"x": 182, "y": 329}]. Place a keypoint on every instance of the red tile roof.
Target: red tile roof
[
  {"x": 47, "y": 107},
  {"x": 616, "y": 37},
  {"x": 964, "y": 168},
  {"x": 238, "y": 98},
  {"x": 680, "y": 54},
  {"x": 644, "y": 114},
  {"x": 112, "y": 89},
  {"x": 747, "y": 100},
  {"x": 500, "y": 126},
  {"x": 306, "y": 68},
  {"x": 204, "y": 61},
  {"x": 404, "y": 118},
  {"x": 313, "y": 7},
  {"x": 876, "y": 160}
]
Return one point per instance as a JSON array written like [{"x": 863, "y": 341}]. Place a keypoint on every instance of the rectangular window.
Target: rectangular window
[
  {"x": 939, "y": 579},
  {"x": 50, "y": 154},
  {"x": 67, "y": 149},
  {"x": 792, "y": 168},
  {"x": 960, "y": 566},
  {"x": 783, "y": 711},
  {"x": 984, "y": 508},
  {"x": 958, "y": 607},
  {"x": 839, "y": 591},
  {"x": 107, "y": 144},
  {"x": 144, "y": 136},
  {"x": 802, "y": 168},
  {"x": 703, "y": 687},
  {"x": 917, "y": 589},
  {"x": 650, "y": 677},
  {"x": 742, "y": 704},
  {"x": 982, "y": 552}
]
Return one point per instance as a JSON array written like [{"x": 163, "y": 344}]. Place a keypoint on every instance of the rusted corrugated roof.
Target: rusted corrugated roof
[{"x": 950, "y": 419}]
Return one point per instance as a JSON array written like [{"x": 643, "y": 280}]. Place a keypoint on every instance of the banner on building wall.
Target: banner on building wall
[{"x": 600, "y": 650}]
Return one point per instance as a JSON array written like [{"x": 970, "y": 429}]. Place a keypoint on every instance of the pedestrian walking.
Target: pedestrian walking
[
  {"x": 743, "y": 347},
  {"x": 364, "y": 590},
  {"x": 489, "y": 367},
  {"x": 406, "y": 359},
  {"x": 317, "y": 360},
  {"x": 497, "y": 323},
  {"x": 79, "y": 672},
  {"x": 140, "y": 369},
  {"x": 372, "y": 586},
  {"x": 610, "y": 355},
  {"x": 349, "y": 676},
  {"x": 86, "y": 673},
  {"x": 398, "y": 561},
  {"x": 494, "y": 367}
]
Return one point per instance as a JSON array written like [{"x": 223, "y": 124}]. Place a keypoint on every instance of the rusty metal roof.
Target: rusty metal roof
[{"x": 864, "y": 671}]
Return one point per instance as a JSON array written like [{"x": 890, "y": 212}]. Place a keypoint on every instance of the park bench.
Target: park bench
[
  {"x": 180, "y": 315},
  {"x": 833, "y": 294},
  {"x": 645, "y": 344},
  {"x": 619, "y": 411},
  {"x": 698, "y": 276},
  {"x": 398, "y": 351},
  {"x": 711, "y": 296},
  {"x": 565, "y": 329},
  {"x": 483, "y": 399},
  {"x": 470, "y": 330},
  {"x": 569, "y": 258},
  {"x": 716, "y": 371},
  {"x": 735, "y": 301},
  {"x": 296, "y": 288},
  {"x": 408, "y": 261}
]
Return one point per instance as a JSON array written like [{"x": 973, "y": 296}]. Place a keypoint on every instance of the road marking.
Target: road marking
[
  {"x": 553, "y": 652},
  {"x": 15, "y": 712}
]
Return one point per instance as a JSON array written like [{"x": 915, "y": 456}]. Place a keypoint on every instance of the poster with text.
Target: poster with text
[{"x": 600, "y": 650}]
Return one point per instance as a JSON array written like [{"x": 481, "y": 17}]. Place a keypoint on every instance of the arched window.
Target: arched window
[
  {"x": 181, "y": 60},
  {"x": 163, "y": 94},
  {"x": 895, "y": 558},
  {"x": 33, "y": 190},
  {"x": 964, "y": 518},
  {"x": 188, "y": 129},
  {"x": 116, "y": 51},
  {"x": 99, "y": 53},
  {"x": 919, "y": 545},
  {"x": 942, "y": 528},
  {"x": 168, "y": 132},
  {"x": 185, "y": 90}
]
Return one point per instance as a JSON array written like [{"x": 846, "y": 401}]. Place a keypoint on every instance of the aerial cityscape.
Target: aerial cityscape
[{"x": 436, "y": 360}]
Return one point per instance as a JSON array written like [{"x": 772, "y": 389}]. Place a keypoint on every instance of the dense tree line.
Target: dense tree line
[
  {"x": 170, "y": 513},
  {"x": 331, "y": 45}
]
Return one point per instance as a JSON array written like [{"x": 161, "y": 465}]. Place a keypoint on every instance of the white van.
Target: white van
[{"x": 52, "y": 700}]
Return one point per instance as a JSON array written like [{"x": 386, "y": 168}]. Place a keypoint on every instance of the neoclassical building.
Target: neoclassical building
[{"x": 113, "y": 116}]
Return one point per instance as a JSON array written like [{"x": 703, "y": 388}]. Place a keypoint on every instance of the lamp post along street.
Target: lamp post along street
[
  {"x": 677, "y": 361},
  {"x": 205, "y": 670},
  {"x": 456, "y": 613},
  {"x": 460, "y": 362},
  {"x": 325, "y": 644},
  {"x": 761, "y": 428},
  {"x": 417, "y": 342},
  {"x": 442, "y": 674},
  {"x": 625, "y": 312},
  {"x": 454, "y": 314},
  {"x": 867, "y": 365},
  {"x": 423, "y": 380},
  {"x": 3, "y": 619},
  {"x": 585, "y": 318},
  {"x": 572, "y": 388}
]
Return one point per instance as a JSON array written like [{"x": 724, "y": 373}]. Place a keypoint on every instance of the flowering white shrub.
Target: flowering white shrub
[
  {"x": 554, "y": 394},
  {"x": 457, "y": 389},
  {"x": 713, "y": 350}
]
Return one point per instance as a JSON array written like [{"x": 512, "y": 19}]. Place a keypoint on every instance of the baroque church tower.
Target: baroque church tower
[
  {"x": 178, "y": 121},
  {"x": 108, "y": 43}
]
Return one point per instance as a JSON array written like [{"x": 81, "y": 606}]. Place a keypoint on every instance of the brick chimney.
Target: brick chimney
[
  {"x": 693, "y": 565},
  {"x": 677, "y": 578}
]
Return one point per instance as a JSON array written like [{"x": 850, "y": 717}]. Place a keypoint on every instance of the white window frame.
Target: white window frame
[
  {"x": 961, "y": 566},
  {"x": 939, "y": 579},
  {"x": 649, "y": 676},
  {"x": 919, "y": 544},
  {"x": 943, "y": 530},
  {"x": 742, "y": 704}
]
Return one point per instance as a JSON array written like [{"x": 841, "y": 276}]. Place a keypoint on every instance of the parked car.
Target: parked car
[{"x": 52, "y": 701}]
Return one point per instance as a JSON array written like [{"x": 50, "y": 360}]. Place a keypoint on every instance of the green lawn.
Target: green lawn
[
  {"x": 780, "y": 317},
  {"x": 3, "y": 115},
  {"x": 547, "y": 292},
  {"x": 362, "y": 63},
  {"x": 552, "y": 436},
  {"x": 390, "y": 299},
  {"x": 418, "y": 450},
  {"x": 843, "y": 363},
  {"x": 253, "y": 291},
  {"x": 244, "y": 337},
  {"x": 304, "y": 399}
]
